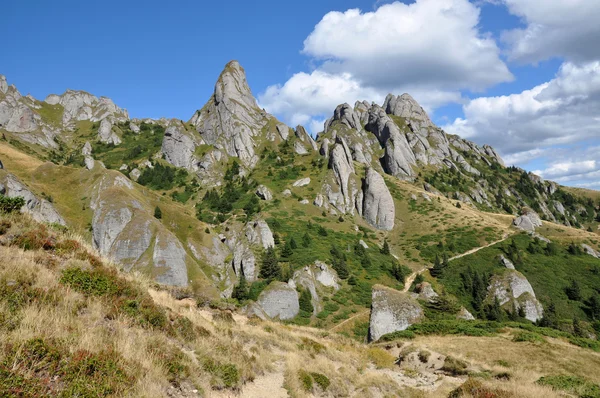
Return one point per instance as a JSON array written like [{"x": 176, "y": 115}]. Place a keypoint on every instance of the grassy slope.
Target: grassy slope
[
  {"x": 548, "y": 275},
  {"x": 61, "y": 336}
]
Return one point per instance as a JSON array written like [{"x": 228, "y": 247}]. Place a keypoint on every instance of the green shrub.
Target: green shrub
[
  {"x": 306, "y": 380},
  {"x": 454, "y": 366},
  {"x": 321, "y": 380},
  {"x": 528, "y": 337},
  {"x": 227, "y": 373},
  {"x": 9, "y": 205},
  {"x": 571, "y": 384}
]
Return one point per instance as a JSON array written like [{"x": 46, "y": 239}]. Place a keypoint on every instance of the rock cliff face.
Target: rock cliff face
[
  {"x": 40, "y": 209},
  {"x": 378, "y": 204},
  {"x": 392, "y": 311},
  {"x": 124, "y": 231},
  {"x": 179, "y": 148}
]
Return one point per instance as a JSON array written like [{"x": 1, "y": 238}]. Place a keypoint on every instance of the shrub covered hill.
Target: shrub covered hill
[{"x": 233, "y": 255}]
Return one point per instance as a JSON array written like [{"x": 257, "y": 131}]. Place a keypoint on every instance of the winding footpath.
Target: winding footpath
[{"x": 411, "y": 278}]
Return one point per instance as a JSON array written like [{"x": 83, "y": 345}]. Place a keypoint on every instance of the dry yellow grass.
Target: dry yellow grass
[{"x": 268, "y": 357}]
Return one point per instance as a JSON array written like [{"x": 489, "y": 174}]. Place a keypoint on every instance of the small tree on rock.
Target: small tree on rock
[{"x": 157, "y": 213}]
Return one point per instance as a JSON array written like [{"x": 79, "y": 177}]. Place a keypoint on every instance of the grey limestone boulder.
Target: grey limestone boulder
[
  {"x": 302, "y": 182},
  {"x": 512, "y": 288},
  {"x": 392, "y": 311},
  {"x": 279, "y": 301},
  {"x": 40, "y": 209},
  {"x": 264, "y": 193}
]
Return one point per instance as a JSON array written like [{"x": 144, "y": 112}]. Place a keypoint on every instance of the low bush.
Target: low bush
[{"x": 571, "y": 384}]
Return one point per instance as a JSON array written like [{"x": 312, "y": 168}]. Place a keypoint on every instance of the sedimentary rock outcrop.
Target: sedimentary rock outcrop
[
  {"x": 511, "y": 288},
  {"x": 40, "y": 209},
  {"x": 392, "y": 311},
  {"x": 378, "y": 204},
  {"x": 178, "y": 148}
]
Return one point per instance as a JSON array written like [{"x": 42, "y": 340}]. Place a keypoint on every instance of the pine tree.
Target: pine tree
[
  {"x": 386, "y": 248},
  {"x": 493, "y": 312},
  {"x": 573, "y": 291},
  {"x": 594, "y": 306},
  {"x": 276, "y": 238},
  {"x": 305, "y": 302},
  {"x": 157, "y": 213},
  {"x": 270, "y": 268},
  {"x": 293, "y": 243},
  {"x": 240, "y": 291},
  {"x": 306, "y": 240},
  {"x": 438, "y": 267},
  {"x": 549, "y": 319},
  {"x": 287, "y": 251},
  {"x": 577, "y": 328}
]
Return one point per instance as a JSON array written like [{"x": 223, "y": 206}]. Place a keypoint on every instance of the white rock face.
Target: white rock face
[
  {"x": 326, "y": 276},
  {"x": 398, "y": 158},
  {"x": 264, "y": 193},
  {"x": 512, "y": 287},
  {"x": 79, "y": 105},
  {"x": 302, "y": 182},
  {"x": 124, "y": 231},
  {"x": 590, "y": 251},
  {"x": 279, "y": 301},
  {"x": 283, "y": 130},
  {"x": 232, "y": 119},
  {"x": 465, "y": 315},
  {"x": 105, "y": 133},
  {"x": 529, "y": 221},
  {"x": 506, "y": 262},
  {"x": 340, "y": 162},
  {"x": 378, "y": 204},
  {"x": 178, "y": 148},
  {"x": 392, "y": 311},
  {"x": 134, "y": 127},
  {"x": 425, "y": 291},
  {"x": 305, "y": 138},
  {"x": 135, "y": 174},
  {"x": 3, "y": 84},
  {"x": 40, "y": 209},
  {"x": 244, "y": 261},
  {"x": 259, "y": 233},
  {"x": 169, "y": 258}
]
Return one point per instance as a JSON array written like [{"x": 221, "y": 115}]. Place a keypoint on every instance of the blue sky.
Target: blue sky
[{"x": 517, "y": 74}]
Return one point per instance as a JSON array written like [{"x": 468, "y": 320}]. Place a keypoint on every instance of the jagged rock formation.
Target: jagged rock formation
[
  {"x": 264, "y": 193},
  {"x": 40, "y": 209},
  {"x": 512, "y": 289},
  {"x": 231, "y": 121},
  {"x": 79, "y": 105},
  {"x": 259, "y": 233},
  {"x": 378, "y": 204},
  {"x": 392, "y": 311},
  {"x": 178, "y": 148}
]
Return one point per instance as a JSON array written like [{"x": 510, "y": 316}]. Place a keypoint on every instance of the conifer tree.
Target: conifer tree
[{"x": 270, "y": 268}]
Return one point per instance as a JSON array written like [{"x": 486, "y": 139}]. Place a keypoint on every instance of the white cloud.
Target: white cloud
[
  {"x": 432, "y": 49},
  {"x": 562, "y": 111},
  {"x": 548, "y": 122},
  {"x": 554, "y": 28}
]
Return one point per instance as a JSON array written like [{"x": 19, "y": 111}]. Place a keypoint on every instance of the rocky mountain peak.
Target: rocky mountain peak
[
  {"x": 3, "y": 84},
  {"x": 232, "y": 119},
  {"x": 405, "y": 106},
  {"x": 233, "y": 86}
]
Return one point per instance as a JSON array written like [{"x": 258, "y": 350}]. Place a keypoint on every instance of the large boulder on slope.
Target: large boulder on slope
[{"x": 392, "y": 311}]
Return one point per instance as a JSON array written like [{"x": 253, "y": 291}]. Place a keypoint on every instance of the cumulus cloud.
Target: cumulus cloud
[
  {"x": 575, "y": 166},
  {"x": 431, "y": 48},
  {"x": 561, "y": 111},
  {"x": 543, "y": 122},
  {"x": 559, "y": 28}
]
